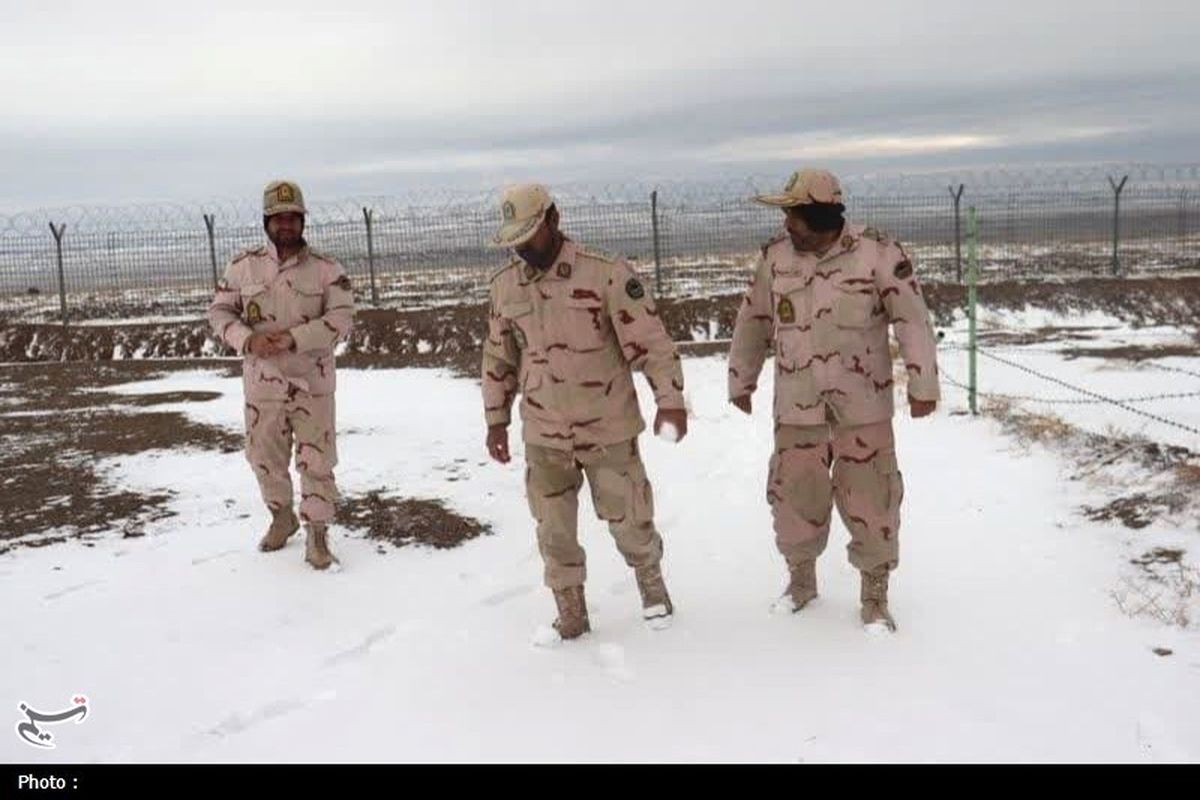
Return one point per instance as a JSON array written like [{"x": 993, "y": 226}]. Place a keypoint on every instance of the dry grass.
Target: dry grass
[
  {"x": 1163, "y": 588},
  {"x": 1187, "y": 476},
  {"x": 1027, "y": 426}
]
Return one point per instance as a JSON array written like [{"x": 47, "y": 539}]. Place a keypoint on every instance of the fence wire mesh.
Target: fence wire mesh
[{"x": 157, "y": 261}]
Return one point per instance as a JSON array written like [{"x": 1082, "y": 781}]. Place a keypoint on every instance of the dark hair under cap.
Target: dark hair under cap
[
  {"x": 267, "y": 219},
  {"x": 822, "y": 217}
]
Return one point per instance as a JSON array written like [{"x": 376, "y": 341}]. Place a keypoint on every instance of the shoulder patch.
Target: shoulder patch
[
  {"x": 634, "y": 288},
  {"x": 261, "y": 250},
  {"x": 343, "y": 282},
  {"x": 903, "y": 269}
]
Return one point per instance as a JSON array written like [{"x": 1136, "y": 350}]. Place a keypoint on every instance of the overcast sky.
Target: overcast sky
[{"x": 116, "y": 102}]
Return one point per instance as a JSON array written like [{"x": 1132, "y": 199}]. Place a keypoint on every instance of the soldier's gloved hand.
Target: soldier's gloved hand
[
  {"x": 497, "y": 443},
  {"x": 260, "y": 345},
  {"x": 921, "y": 408},
  {"x": 676, "y": 418},
  {"x": 742, "y": 403}
]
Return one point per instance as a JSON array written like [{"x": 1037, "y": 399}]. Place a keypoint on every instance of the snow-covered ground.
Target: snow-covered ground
[
  {"x": 192, "y": 646},
  {"x": 1165, "y": 387}
]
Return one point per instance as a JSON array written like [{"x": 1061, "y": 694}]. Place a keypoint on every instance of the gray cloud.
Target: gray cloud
[{"x": 472, "y": 99}]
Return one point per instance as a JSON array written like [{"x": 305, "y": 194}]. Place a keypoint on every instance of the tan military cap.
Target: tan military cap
[
  {"x": 804, "y": 187},
  {"x": 281, "y": 196},
  {"x": 522, "y": 209}
]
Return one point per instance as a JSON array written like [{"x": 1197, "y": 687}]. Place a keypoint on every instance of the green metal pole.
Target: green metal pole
[{"x": 972, "y": 297}]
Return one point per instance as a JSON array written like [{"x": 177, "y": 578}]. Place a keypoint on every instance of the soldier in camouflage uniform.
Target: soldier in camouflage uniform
[
  {"x": 566, "y": 327},
  {"x": 283, "y": 306},
  {"x": 823, "y": 296}
]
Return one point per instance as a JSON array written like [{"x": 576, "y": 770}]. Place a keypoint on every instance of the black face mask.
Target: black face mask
[{"x": 823, "y": 217}]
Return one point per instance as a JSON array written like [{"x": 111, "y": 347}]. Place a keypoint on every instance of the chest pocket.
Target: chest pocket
[
  {"x": 791, "y": 296},
  {"x": 521, "y": 320},
  {"x": 582, "y": 324},
  {"x": 791, "y": 300},
  {"x": 256, "y": 304},
  {"x": 852, "y": 308},
  {"x": 308, "y": 293}
]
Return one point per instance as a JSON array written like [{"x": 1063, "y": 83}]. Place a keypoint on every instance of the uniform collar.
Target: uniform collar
[
  {"x": 847, "y": 241},
  {"x": 273, "y": 252},
  {"x": 562, "y": 268}
]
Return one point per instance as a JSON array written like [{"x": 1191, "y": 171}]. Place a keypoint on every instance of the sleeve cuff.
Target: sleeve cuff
[
  {"x": 307, "y": 337},
  {"x": 924, "y": 389},
  {"x": 238, "y": 336},
  {"x": 671, "y": 402}
]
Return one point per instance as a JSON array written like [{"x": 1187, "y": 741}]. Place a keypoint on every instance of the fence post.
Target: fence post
[
  {"x": 972, "y": 298},
  {"x": 1181, "y": 221},
  {"x": 210, "y": 222},
  {"x": 957, "y": 195},
  {"x": 368, "y": 216},
  {"x": 1116, "y": 187},
  {"x": 657, "y": 262},
  {"x": 58, "y": 232}
]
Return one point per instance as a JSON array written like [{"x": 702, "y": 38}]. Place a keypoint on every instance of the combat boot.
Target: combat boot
[
  {"x": 874, "y": 599},
  {"x": 657, "y": 608},
  {"x": 283, "y": 525},
  {"x": 316, "y": 547},
  {"x": 802, "y": 585},
  {"x": 572, "y": 619}
]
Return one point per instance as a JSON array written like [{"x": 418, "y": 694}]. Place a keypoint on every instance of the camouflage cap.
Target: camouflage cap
[
  {"x": 282, "y": 196},
  {"x": 804, "y": 187},
  {"x": 522, "y": 209}
]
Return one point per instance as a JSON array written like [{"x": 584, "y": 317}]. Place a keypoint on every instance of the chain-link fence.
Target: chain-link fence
[{"x": 161, "y": 261}]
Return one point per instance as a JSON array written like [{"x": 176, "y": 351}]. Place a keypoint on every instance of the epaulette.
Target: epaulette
[
  {"x": 261, "y": 250},
  {"x": 598, "y": 254},
  {"x": 503, "y": 269},
  {"x": 322, "y": 256}
]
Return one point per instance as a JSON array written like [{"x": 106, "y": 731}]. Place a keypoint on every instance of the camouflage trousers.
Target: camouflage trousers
[
  {"x": 621, "y": 495},
  {"x": 865, "y": 484},
  {"x": 305, "y": 423}
]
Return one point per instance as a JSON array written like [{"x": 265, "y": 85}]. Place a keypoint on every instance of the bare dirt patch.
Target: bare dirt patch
[
  {"x": 405, "y": 521},
  {"x": 54, "y": 427}
]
